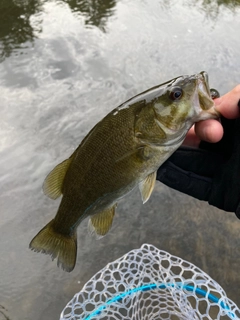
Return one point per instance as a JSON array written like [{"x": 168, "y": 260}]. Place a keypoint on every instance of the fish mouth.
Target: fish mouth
[
  {"x": 205, "y": 77},
  {"x": 204, "y": 95}
]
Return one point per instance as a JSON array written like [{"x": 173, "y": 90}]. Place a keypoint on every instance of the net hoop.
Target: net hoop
[{"x": 128, "y": 288}]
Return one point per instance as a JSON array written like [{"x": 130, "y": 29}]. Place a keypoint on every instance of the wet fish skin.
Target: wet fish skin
[{"x": 123, "y": 150}]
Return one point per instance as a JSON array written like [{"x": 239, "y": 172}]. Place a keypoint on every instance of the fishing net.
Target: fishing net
[{"x": 148, "y": 283}]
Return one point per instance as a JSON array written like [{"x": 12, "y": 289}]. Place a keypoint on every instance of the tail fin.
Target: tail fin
[{"x": 58, "y": 245}]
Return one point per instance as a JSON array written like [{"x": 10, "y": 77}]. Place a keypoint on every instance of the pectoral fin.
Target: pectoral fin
[
  {"x": 52, "y": 185},
  {"x": 147, "y": 185},
  {"x": 100, "y": 223}
]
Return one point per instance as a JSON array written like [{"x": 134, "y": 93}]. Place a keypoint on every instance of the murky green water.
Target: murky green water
[{"x": 63, "y": 66}]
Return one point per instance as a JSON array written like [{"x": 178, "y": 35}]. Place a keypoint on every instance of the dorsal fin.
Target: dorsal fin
[
  {"x": 52, "y": 185},
  {"x": 146, "y": 186}
]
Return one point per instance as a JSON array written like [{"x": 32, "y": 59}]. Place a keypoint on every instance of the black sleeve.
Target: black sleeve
[{"x": 210, "y": 172}]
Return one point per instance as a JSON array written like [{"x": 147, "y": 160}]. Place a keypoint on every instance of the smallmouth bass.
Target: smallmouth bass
[{"x": 122, "y": 151}]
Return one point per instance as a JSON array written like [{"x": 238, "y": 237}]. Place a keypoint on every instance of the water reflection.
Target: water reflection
[
  {"x": 15, "y": 25},
  {"x": 3, "y": 312},
  {"x": 95, "y": 12},
  {"x": 212, "y": 8},
  {"x": 17, "y": 32},
  {"x": 229, "y": 3}
]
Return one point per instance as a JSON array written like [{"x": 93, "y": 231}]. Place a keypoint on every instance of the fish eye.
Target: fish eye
[
  {"x": 176, "y": 93},
  {"x": 214, "y": 94}
]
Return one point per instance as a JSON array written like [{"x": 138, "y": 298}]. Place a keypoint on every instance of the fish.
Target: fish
[{"x": 122, "y": 151}]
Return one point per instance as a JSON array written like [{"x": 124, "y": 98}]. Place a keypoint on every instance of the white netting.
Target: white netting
[{"x": 148, "y": 283}]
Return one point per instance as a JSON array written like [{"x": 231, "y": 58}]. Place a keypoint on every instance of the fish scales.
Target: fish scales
[
  {"x": 107, "y": 164},
  {"x": 122, "y": 151}
]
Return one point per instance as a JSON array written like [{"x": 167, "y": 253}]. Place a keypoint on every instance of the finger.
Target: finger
[
  {"x": 209, "y": 130},
  {"x": 191, "y": 140},
  {"x": 228, "y": 105}
]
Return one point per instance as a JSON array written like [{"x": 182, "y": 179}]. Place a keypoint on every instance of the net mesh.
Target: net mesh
[{"x": 148, "y": 283}]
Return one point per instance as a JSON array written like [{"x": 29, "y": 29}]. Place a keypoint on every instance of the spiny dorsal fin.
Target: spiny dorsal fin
[
  {"x": 100, "y": 223},
  {"x": 52, "y": 185},
  {"x": 146, "y": 186}
]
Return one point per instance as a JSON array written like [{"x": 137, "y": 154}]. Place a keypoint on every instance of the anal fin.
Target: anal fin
[
  {"x": 147, "y": 185},
  {"x": 100, "y": 223}
]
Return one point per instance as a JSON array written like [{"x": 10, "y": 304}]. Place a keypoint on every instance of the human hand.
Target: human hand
[
  {"x": 210, "y": 171},
  {"x": 211, "y": 130}
]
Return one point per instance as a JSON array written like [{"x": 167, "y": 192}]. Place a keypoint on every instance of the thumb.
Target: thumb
[{"x": 229, "y": 104}]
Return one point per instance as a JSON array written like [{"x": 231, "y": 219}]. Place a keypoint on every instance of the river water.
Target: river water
[{"x": 64, "y": 65}]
